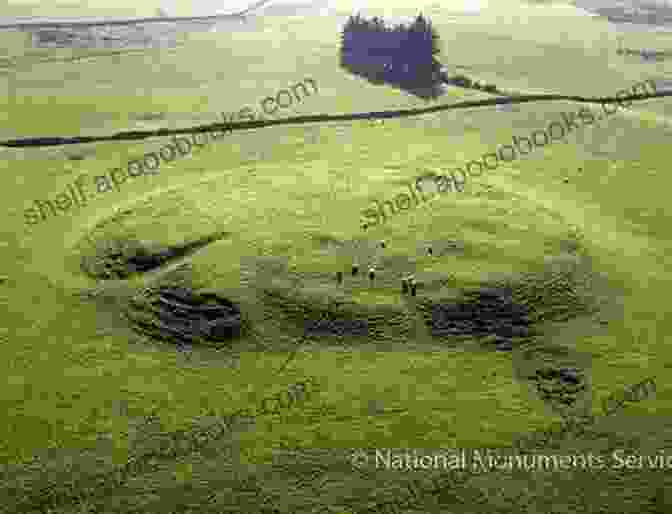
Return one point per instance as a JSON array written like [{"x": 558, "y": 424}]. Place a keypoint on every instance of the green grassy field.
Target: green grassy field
[{"x": 586, "y": 255}]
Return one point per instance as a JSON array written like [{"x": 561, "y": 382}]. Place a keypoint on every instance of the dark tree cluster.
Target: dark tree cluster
[{"x": 403, "y": 55}]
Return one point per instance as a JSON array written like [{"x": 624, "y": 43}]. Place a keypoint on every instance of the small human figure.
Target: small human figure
[
  {"x": 355, "y": 269},
  {"x": 382, "y": 244},
  {"x": 404, "y": 286},
  {"x": 411, "y": 284},
  {"x": 372, "y": 274},
  {"x": 339, "y": 277},
  {"x": 430, "y": 251}
]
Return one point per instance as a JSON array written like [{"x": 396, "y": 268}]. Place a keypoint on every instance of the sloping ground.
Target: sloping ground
[
  {"x": 204, "y": 284},
  {"x": 178, "y": 314},
  {"x": 112, "y": 250},
  {"x": 121, "y": 259},
  {"x": 500, "y": 263}
]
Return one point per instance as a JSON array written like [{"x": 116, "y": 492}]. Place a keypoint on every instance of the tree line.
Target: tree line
[{"x": 401, "y": 54}]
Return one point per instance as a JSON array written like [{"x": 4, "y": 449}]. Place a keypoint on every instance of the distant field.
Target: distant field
[
  {"x": 70, "y": 8},
  {"x": 555, "y": 260}
]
